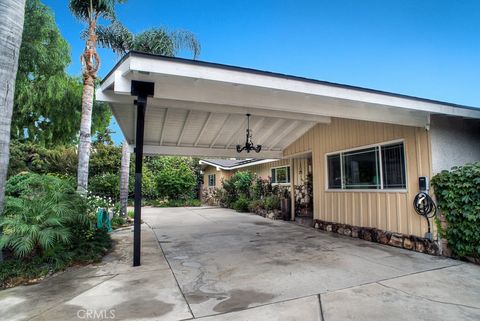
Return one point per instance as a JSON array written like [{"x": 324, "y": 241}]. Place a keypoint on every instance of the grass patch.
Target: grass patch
[{"x": 175, "y": 203}]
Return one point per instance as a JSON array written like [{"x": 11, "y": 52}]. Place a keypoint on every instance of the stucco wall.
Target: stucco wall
[
  {"x": 455, "y": 141},
  {"x": 219, "y": 175},
  {"x": 386, "y": 210}
]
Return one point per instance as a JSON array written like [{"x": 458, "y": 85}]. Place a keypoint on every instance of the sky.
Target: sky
[{"x": 423, "y": 48}]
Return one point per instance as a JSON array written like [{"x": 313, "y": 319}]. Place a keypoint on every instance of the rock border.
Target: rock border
[{"x": 408, "y": 242}]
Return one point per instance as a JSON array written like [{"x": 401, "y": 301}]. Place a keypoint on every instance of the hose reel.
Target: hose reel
[{"x": 424, "y": 204}]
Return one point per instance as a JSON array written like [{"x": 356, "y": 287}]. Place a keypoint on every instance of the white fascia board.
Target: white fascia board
[
  {"x": 178, "y": 68},
  {"x": 263, "y": 161},
  {"x": 203, "y": 152}
]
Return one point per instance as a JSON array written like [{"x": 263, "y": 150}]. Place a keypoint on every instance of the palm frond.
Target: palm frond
[
  {"x": 114, "y": 36},
  {"x": 183, "y": 39},
  {"x": 155, "y": 41},
  {"x": 81, "y": 8},
  {"x": 162, "y": 42}
]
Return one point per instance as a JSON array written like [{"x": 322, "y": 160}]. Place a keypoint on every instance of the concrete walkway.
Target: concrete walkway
[{"x": 215, "y": 264}]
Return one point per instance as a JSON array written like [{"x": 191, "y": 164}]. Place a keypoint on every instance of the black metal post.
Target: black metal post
[{"x": 142, "y": 90}]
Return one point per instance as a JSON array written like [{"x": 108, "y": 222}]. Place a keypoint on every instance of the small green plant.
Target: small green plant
[
  {"x": 458, "y": 198},
  {"x": 131, "y": 214},
  {"x": 118, "y": 221},
  {"x": 271, "y": 203},
  {"x": 241, "y": 205},
  {"x": 255, "y": 205}
]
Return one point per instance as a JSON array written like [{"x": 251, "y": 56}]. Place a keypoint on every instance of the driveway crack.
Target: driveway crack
[
  {"x": 173, "y": 273},
  {"x": 426, "y": 298},
  {"x": 322, "y": 317},
  {"x": 70, "y": 298}
]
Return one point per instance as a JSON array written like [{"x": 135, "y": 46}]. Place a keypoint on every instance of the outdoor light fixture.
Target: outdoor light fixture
[{"x": 249, "y": 146}]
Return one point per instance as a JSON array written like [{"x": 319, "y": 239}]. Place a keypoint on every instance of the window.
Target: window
[
  {"x": 281, "y": 175},
  {"x": 379, "y": 167},
  {"x": 212, "y": 180}
]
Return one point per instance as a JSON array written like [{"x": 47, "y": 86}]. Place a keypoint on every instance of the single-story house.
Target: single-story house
[
  {"x": 294, "y": 176},
  {"x": 367, "y": 148}
]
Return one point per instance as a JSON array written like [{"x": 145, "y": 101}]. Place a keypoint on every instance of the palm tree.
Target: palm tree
[
  {"x": 12, "y": 14},
  {"x": 120, "y": 40},
  {"x": 124, "y": 172},
  {"x": 89, "y": 11}
]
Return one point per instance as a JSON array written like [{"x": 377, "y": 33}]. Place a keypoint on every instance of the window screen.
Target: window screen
[
  {"x": 393, "y": 163},
  {"x": 334, "y": 172}
]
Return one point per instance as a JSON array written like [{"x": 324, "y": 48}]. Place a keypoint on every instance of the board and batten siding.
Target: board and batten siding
[
  {"x": 391, "y": 211},
  {"x": 264, "y": 170}
]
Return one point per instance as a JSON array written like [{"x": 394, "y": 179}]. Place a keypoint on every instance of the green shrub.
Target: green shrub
[
  {"x": 131, "y": 214},
  {"x": 458, "y": 197},
  {"x": 261, "y": 188},
  {"x": 238, "y": 185},
  {"x": 255, "y": 205},
  {"x": 118, "y": 221},
  {"x": 38, "y": 212},
  {"x": 188, "y": 203},
  {"x": 175, "y": 177},
  {"x": 177, "y": 203},
  {"x": 241, "y": 205},
  {"x": 106, "y": 185},
  {"x": 271, "y": 203},
  {"x": 243, "y": 183}
]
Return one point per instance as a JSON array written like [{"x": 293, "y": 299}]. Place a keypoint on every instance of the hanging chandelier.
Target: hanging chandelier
[{"x": 249, "y": 146}]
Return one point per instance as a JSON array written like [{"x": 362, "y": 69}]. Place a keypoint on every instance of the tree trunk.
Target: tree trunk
[
  {"x": 124, "y": 172},
  {"x": 91, "y": 63},
  {"x": 12, "y": 13},
  {"x": 85, "y": 139}
]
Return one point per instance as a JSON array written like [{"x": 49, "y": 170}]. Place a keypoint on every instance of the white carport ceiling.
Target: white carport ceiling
[{"x": 199, "y": 108}]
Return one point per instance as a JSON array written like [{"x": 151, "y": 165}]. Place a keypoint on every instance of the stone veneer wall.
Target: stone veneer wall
[
  {"x": 209, "y": 196},
  {"x": 408, "y": 242}
]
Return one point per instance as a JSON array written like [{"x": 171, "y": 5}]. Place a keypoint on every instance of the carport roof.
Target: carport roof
[{"x": 198, "y": 108}]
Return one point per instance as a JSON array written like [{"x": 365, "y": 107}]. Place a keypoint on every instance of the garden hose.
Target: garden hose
[{"x": 426, "y": 207}]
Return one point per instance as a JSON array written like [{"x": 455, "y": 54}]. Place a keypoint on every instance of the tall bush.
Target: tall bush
[
  {"x": 458, "y": 197},
  {"x": 243, "y": 183}
]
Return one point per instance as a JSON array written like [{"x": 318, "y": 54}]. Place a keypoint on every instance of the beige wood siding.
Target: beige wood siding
[
  {"x": 392, "y": 211},
  {"x": 300, "y": 170}
]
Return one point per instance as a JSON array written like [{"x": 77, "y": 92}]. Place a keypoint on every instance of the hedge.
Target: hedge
[{"x": 458, "y": 197}]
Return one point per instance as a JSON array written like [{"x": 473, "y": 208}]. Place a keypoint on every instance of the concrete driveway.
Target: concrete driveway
[
  {"x": 224, "y": 261},
  {"x": 215, "y": 264}
]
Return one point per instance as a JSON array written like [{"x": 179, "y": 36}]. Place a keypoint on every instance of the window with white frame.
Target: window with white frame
[
  {"x": 378, "y": 167},
  {"x": 212, "y": 179},
  {"x": 281, "y": 175}
]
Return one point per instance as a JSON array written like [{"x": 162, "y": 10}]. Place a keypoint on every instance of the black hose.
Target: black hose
[{"x": 425, "y": 206}]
